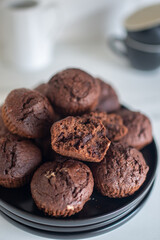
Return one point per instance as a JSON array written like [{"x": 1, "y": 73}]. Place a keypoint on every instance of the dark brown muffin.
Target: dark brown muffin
[
  {"x": 18, "y": 160},
  {"x": 62, "y": 189},
  {"x": 73, "y": 92},
  {"x": 42, "y": 88},
  {"x": 121, "y": 173},
  {"x": 61, "y": 159},
  {"x": 108, "y": 100},
  {"x": 139, "y": 128},
  {"x": 115, "y": 130},
  {"x": 3, "y": 129},
  {"x": 81, "y": 138},
  {"x": 45, "y": 145},
  {"x": 27, "y": 113}
]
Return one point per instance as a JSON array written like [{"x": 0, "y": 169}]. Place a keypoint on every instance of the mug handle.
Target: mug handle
[{"x": 117, "y": 45}]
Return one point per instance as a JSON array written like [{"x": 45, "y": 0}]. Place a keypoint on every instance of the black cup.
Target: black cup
[
  {"x": 142, "y": 43},
  {"x": 149, "y": 36},
  {"x": 142, "y": 56},
  {"x": 143, "y": 25}
]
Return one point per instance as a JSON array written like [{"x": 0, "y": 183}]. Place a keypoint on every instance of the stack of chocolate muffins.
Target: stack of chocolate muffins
[{"x": 68, "y": 136}]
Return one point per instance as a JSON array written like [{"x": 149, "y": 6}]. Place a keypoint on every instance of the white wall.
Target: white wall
[{"x": 92, "y": 20}]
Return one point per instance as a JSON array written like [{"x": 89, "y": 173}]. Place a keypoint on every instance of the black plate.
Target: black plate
[
  {"x": 71, "y": 229},
  {"x": 98, "y": 209},
  {"x": 98, "y": 229}
]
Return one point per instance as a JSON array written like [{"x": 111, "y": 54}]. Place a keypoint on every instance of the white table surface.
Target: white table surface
[{"x": 137, "y": 89}]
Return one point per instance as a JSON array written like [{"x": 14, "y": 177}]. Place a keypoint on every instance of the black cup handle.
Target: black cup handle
[{"x": 117, "y": 45}]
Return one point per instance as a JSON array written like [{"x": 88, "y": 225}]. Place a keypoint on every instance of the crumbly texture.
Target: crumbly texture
[
  {"x": 121, "y": 173},
  {"x": 18, "y": 160},
  {"x": 108, "y": 100},
  {"x": 73, "y": 92},
  {"x": 3, "y": 129},
  {"x": 139, "y": 128},
  {"x": 115, "y": 129},
  {"x": 27, "y": 113},
  {"x": 82, "y": 138},
  {"x": 62, "y": 189}
]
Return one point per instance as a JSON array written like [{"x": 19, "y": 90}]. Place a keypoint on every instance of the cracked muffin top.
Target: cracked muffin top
[
  {"x": 27, "y": 113},
  {"x": 62, "y": 189},
  {"x": 122, "y": 171},
  {"x": 73, "y": 92},
  {"x": 18, "y": 160},
  {"x": 139, "y": 128},
  {"x": 115, "y": 129}
]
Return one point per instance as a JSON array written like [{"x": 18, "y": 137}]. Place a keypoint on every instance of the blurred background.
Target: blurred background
[
  {"x": 78, "y": 33},
  {"x": 92, "y": 21},
  {"x": 78, "y": 39},
  {"x": 41, "y": 37}
]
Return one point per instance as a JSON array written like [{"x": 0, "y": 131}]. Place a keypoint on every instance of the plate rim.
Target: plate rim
[
  {"x": 74, "y": 229},
  {"x": 85, "y": 234},
  {"x": 78, "y": 222}
]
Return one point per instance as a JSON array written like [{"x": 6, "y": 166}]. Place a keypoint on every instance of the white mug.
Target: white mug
[{"x": 27, "y": 33}]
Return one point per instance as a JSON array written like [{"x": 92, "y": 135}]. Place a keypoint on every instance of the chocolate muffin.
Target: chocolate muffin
[
  {"x": 45, "y": 145},
  {"x": 61, "y": 159},
  {"x": 121, "y": 173},
  {"x": 3, "y": 129},
  {"x": 73, "y": 92},
  {"x": 42, "y": 88},
  {"x": 108, "y": 99},
  {"x": 27, "y": 113},
  {"x": 82, "y": 138},
  {"x": 139, "y": 129},
  {"x": 62, "y": 189},
  {"x": 115, "y": 130},
  {"x": 19, "y": 158}
]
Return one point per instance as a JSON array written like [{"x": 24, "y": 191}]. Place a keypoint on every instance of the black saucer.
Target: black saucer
[
  {"x": 97, "y": 210},
  {"x": 72, "y": 229},
  {"x": 98, "y": 229}
]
